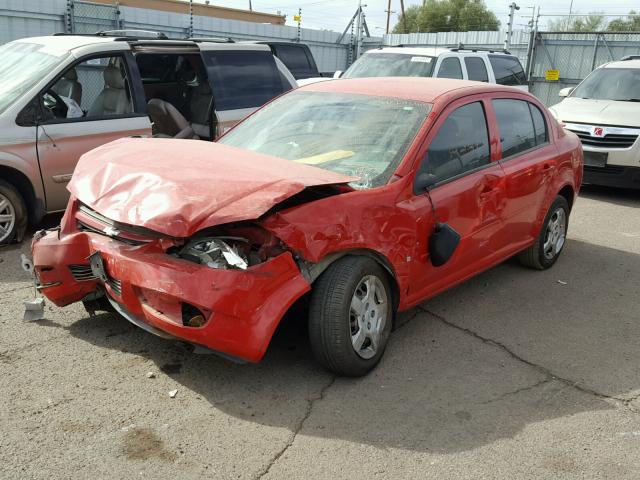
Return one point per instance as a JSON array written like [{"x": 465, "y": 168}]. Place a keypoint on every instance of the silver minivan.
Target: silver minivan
[{"x": 63, "y": 95}]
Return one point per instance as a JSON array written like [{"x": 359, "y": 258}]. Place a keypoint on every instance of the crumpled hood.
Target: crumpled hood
[
  {"x": 178, "y": 187},
  {"x": 598, "y": 112}
]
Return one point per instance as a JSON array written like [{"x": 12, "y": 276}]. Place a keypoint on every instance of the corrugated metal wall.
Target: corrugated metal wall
[
  {"x": 328, "y": 55},
  {"x": 29, "y": 18}
]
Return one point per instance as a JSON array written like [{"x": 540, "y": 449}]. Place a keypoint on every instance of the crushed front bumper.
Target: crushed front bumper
[{"x": 240, "y": 308}]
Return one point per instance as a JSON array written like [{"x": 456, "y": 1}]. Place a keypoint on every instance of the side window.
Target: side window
[
  {"x": 95, "y": 88},
  {"x": 539, "y": 125},
  {"x": 450, "y": 68},
  {"x": 461, "y": 144},
  {"x": 243, "y": 79},
  {"x": 507, "y": 70},
  {"x": 515, "y": 125},
  {"x": 157, "y": 68},
  {"x": 476, "y": 69}
]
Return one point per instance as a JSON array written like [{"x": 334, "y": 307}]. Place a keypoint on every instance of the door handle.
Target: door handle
[{"x": 547, "y": 167}]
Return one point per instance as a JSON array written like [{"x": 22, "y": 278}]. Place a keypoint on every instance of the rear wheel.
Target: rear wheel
[
  {"x": 350, "y": 316},
  {"x": 551, "y": 239},
  {"x": 13, "y": 213}
]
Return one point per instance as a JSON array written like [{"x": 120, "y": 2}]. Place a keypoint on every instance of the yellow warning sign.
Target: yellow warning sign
[
  {"x": 297, "y": 18},
  {"x": 552, "y": 75}
]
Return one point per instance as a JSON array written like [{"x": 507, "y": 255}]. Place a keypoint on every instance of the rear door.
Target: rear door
[
  {"x": 468, "y": 195},
  {"x": 529, "y": 161},
  {"x": 243, "y": 77},
  {"x": 99, "y": 106}
]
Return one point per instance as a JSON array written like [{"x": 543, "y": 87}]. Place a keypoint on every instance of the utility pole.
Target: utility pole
[
  {"x": 250, "y": 7},
  {"x": 388, "y": 10},
  {"x": 299, "y": 19},
  {"x": 404, "y": 18},
  {"x": 190, "y": 19},
  {"x": 507, "y": 39}
]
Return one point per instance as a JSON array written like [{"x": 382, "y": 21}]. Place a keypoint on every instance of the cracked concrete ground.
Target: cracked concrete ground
[{"x": 511, "y": 375}]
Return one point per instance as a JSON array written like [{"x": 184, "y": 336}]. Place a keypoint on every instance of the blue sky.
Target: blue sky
[{"x": 335, "y": 14}]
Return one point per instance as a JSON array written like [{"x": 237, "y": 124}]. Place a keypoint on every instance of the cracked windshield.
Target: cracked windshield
[{"x": 357, "y": 135}]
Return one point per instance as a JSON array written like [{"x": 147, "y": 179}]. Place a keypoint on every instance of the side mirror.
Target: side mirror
[
  {"x": 337, "y": 74},
  {"x": 565, "y": 92},
  {"x": 424, "y": 182},
  {"x": 442, "y": 244}
]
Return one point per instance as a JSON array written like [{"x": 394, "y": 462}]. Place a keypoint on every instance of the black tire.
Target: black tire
[
  {"x": 331, "y": 316},
  {"x": 15, "y": 205},
  {"x": 534, "y": 256}
]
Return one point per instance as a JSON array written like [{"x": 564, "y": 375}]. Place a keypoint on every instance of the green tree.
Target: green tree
[
  {"x": 409, "y": 21},
  {"x": 447, "y": 16},
  {"x": 631, "y": 24},
  {"x": 594, "y": 22}
]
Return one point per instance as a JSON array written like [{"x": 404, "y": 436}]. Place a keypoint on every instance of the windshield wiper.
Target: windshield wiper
[{"x": 627, "y": 99}]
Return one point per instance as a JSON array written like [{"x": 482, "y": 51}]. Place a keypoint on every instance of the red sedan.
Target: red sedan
[{"x": 367, "y": 195}]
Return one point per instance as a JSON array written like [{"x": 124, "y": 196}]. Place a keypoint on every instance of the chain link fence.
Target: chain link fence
[
  {"x": 559, "y": 60},
  {"x": 88, "y": 17}
]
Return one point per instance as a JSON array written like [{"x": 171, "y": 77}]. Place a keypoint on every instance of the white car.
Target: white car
[
  {"x": 604, "y": 111},
  {"x": 492, "y": 66}
]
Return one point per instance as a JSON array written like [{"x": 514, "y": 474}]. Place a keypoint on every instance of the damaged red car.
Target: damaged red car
[{"x": 366, "y": 195}]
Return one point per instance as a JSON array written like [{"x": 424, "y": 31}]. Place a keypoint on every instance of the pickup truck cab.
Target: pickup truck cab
[{"x": 63, "y": 95}]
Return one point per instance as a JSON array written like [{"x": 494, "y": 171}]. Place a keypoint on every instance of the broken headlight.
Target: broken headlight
[{"x": 218, "y": 252}]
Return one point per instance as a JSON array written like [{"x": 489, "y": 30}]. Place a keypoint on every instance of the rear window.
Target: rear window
[
  {"x": 507, "y": 70},
  {"x": 295, "y": 58},
  {"x": 242, "y": 79}
]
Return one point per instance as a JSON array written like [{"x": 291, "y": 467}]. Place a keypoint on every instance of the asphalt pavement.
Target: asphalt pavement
[{"x": 515, "y": 374}]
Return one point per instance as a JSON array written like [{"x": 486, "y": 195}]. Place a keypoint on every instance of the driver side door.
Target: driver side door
[
  {"x": 90, "y": 104},
  {"x": 467, "y": 193}
]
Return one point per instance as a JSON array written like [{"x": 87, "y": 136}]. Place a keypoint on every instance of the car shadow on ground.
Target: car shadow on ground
[
  {"x": 618, "y": 196},
  {"x": 476, "y": 364}
]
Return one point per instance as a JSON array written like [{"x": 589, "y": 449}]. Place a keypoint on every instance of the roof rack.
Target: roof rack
[
  {"x": 212, "y": 39},
  {"x": 461, "y": 47},
  {"x": 630, "y": 57},
  {"x": 138, "y": 34}
]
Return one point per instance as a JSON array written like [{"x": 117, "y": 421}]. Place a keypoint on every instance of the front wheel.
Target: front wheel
[
  {"x": 350, "y": 316},
  {"x": 551, "y": 239}
]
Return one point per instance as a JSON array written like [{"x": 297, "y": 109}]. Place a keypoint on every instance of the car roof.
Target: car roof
[
  {"x": 71, "y": 42},
  {"x": 623, "y": 64},
  {"x": 435, "y": 51},
  {"x": 429, "y": 51},
  {"x": 422, "y": 89},
  {"x": 66, "y": 42}
]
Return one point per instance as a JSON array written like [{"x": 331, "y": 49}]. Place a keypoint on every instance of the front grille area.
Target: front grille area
[
  {"x": 116, "y": 285},
  {"x": 88, "y": 220},
  {"x": 608, "y": 141},
  {"x": 82, "y": 273}
]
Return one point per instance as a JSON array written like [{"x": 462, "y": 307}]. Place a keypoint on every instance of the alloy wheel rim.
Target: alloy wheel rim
[
  {"x": 7, "y": 217},
  {"x": 368, "y": 316},
  {"x": 555, "y": 235}
]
